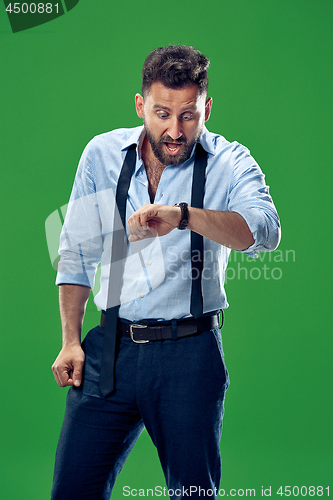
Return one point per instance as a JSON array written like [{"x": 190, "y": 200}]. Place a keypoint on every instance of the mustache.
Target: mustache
[{"x": 167, "y": 138}]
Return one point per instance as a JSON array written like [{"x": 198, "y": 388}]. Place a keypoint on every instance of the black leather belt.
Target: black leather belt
[{"x": 141, "y": 333}]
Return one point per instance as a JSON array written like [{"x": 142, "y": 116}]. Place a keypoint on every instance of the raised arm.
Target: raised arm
[{"x": 226, "y": 228}]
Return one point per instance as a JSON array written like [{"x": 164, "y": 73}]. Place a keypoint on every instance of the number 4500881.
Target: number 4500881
[
  {"x": 303, "y": 491},
  {"x": 32, "y": 8}
]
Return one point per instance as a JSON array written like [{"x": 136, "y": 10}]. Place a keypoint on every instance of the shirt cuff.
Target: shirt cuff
[
  {"x": 74, "y": 279},
  {"x": 265, "y": 231}
]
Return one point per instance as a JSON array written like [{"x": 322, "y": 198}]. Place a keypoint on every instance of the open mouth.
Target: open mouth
[{"x": 172, "y": 147}]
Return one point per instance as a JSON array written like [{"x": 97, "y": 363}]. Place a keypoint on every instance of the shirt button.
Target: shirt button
[
  {"x": 162, "y": 195},
  {"x": 141, "y": 295},
  {"x": 149, "y": 263}
]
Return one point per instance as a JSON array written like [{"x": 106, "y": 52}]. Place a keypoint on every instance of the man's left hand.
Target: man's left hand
[{"x": 153, "y": 220}]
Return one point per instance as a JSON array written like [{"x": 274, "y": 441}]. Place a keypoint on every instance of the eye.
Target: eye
[
  {"x": 187, "y": 116},
  {"x": 162, "y": 114}
]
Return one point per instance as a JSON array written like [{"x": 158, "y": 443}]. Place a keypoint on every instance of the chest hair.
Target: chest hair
[{"x": 154, "y": 171}]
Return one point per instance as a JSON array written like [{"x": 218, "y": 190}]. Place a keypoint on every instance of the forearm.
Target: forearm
[
  {"x": 226, "y": 228},
  {"x": 72, "y": 302}
]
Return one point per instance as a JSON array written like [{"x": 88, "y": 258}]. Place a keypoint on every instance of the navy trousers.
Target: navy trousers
[{"x": 175, "y": 388}]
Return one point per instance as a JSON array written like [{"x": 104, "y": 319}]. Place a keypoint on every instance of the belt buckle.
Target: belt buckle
[{"x": 131, "y": 334}]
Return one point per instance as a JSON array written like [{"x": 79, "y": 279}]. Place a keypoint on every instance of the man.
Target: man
[{"x": 190, "y": 197}]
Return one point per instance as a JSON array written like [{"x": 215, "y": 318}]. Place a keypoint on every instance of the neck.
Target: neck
[{"x": 148, "y": 156}]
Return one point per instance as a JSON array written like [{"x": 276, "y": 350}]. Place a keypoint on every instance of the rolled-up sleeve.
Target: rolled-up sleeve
[
  {"x": 249, "y": 196},
  {"x": 81, "y": 238}
]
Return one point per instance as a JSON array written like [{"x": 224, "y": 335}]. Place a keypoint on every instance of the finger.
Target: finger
[
  {"x": 62, "y": 372},
  {"x": 77, "y": 373},
  {"x": 137, "y": 237},
  {"x": 140, "y": 223},
  {"x": 135, "y": 233},
  {"x": 147, "y": 213},
  {"x": 60, "y": 378},
  {"x": 55, "y": 374},
  {"x": 65, "y": 377},
  {"x": 152, "y": 230},
  {"x": 135, "y": 228},
  {"x": 139, "y": 217},
  {"x": 140, "y": 230},
  {"x": 150, "y": 233}
]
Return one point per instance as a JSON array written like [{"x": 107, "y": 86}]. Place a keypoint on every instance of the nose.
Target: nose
[{"x": 174, "y": 130}]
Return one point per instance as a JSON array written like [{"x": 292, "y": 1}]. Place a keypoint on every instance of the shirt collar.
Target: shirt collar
[
  {"x": 207, "y": 141},
  {"x": 134, "y": 138}
]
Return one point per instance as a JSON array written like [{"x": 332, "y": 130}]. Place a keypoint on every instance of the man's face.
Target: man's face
[{"x": 173, "y": 120}]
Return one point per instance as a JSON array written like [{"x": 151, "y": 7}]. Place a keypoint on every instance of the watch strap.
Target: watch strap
[{"x": 184, "y": 215}]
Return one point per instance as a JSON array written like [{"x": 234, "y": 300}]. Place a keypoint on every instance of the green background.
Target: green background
[{"x": 271, "y": 79}]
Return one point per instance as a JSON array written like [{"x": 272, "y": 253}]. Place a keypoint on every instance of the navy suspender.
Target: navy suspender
[
  {"x": 197, "y": 251},
  {"x": 106, "y": 381},
  {"x": 106, "y": 378}
]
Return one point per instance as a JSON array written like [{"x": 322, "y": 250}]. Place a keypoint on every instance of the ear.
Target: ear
[
  {"x": 139, "y": 105},
  {"x": 208, "y": 108}
]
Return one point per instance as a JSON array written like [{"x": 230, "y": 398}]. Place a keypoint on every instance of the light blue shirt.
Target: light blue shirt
[{"x": 157, "y": 271}]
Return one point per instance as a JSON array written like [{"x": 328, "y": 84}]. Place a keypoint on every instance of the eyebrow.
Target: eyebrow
[{"x": 187, "y": 108}]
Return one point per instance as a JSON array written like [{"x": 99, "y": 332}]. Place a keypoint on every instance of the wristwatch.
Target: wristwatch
[{"x": 184, "y": 217}]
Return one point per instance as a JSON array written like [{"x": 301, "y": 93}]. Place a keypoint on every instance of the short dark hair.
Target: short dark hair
[{"x": 175, "y": 66}]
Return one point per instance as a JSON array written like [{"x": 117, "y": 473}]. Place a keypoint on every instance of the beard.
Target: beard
[{"x": 166, "y": 158}]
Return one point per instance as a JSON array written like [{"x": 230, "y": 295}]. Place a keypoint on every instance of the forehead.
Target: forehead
[{"x": 185, "y": 97}]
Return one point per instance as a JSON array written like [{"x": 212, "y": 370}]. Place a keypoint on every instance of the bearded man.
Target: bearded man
[{"x": 159, "y": 206}]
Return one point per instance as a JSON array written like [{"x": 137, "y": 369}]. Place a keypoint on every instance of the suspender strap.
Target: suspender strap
[
  {"x": 197, "y": 252},
  {"x": 118, "y": 251}
]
